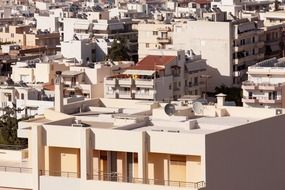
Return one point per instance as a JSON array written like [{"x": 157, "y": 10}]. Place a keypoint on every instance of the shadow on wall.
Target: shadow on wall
[{"x": 217, "y": 79}]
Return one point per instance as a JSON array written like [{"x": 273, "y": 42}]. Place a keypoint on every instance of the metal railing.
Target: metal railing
[
  {"x": 15, "y": 169},
  {"x": 117, "y": 177},
  {"x": 60, "y": 173}
]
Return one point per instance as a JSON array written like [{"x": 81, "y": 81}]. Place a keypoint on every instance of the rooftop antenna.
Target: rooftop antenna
[
  {"x": 198, "y": 107},
  {"x": 169, "y": 109}
]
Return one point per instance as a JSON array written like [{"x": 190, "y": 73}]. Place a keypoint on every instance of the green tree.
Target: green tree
[
  {"x": 9, "y": 127},
  {"x": 233, "y": 93},
  {"x": 118, "y": 51}
]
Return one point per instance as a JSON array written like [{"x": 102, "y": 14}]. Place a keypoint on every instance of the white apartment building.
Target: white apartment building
[
  {"x": 82, "y": 50},
  {"x": 36, "y": 71},
  {"x": 28, "y": 101},
  {"x": 265, "y": 86},
  {"x": 229, "y": 48},
  {"x": 159, "y": 76},
  {"x": 135, "y": 144},
  {"x": 75, "y": 28}
]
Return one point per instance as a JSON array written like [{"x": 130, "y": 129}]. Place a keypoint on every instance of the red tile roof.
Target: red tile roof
[
  {"x": 48, "y": 86},
  {"x": 202, "y": 2},
  {"x": 153, "y": 62}
]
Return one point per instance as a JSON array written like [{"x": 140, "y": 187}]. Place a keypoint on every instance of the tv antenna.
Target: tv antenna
[
  {"x": 169, "y": 109},
  {"x": 198, "y": 107}
]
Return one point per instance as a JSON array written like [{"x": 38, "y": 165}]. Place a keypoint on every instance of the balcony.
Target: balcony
[
  {"x": 249, "y": 46},
  {"x": 110, "y": 94},
  {"x": 166, "y": 29},
  {"x": 125, "y": 94},
  {"x": 247, "y": 85},
  {"x": 110, "y": 81},
  {"x": 146, "y": 96},
  {"x": 249, "y": 100},
  {"x": 270, "y": 87},
  {"x": 15, "y": 176},
  {"x": 144, "y": 83},
  {"x": 122, "y": 181},
  {"x": 243, "y": 60},
  {"x": 125, "y": 82},
  {"x": 269, "y": 101},
  {"x": 163, "y": 40}
]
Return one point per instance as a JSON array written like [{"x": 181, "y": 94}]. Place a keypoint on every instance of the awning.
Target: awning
[
  {"x": 99, "y": 26},
  {"x": 139, "y": 72},
  {"x": 116, "y": 26},
  {"x": 71, "y": 73},
  {"x": 246, "y": 27},
  {"x": 275, "y": 47}
]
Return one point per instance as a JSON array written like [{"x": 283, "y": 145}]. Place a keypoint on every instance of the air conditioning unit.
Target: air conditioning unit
[
  {"x": 278, "y": 111},
  {"x": 76, "y": 125}
]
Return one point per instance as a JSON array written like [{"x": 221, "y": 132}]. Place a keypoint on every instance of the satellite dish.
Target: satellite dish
[
  {"x": 198, "y": 107},
  {"x": 169, "y": 109}
]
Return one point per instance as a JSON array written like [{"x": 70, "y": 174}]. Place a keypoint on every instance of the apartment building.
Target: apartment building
[
  {"x": 159, "y": 76},
  {"x": 274, "y": 17},
  {"x": 88, "y": 80},
  {"x": 82, "y": 50},
  {"x": 135, "y": 144},
  {"x": 36, "y": 71},
  {"x": 27, "y": 101},
  {"x": 101, "y": 28},
  {"x": 153, "y": 35},
  {"x": 25, "y": 36},
  {"x": 238, "y": 8},
  {"x": 239, "y": 42},
  {"x": 274, "y": 40},
  {"x": 265, "y": 86}
]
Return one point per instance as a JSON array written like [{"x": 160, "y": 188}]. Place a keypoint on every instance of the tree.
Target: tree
[
  {"x": 118, "y": 51},
  {"x": 233, "y": 93},
  {"x": 9, "y": 127}
]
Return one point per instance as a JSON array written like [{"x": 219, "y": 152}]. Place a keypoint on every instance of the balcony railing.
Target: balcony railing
[
  {"x": 117, "y": 177},
  {"x": 163, "y": 40},
  {"x": 15, "y": 169},
  {"x": 60, "y": 173}
]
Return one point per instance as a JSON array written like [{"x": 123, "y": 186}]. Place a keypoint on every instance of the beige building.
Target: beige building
[
  {"x": 88, "y": 80},
  {"x": 153, "y": 35},
  {"x": 265, "y": 86},
  {"x": 25, "y": 36},
  {"x": 159, "y": 76},
  {"x": 135, "y": 144},
  {"x": 36, "y": 71},
  {"x": 229, "y": 48}
]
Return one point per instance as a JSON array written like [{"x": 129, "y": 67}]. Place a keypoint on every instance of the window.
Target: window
[
  {"x": 196, "y": 81},
  {"x": 9, "y": 97},
  {"x": 155, "y": 33},
  {"x": 169, "y": 87},
  {"x": 12, "y": 35},
  {"x": 147, "y": 45},
  {"x": 22, "y": 96}
]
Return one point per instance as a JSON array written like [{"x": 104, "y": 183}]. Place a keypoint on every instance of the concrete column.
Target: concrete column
[
  {"x": 85, "y": 155},
  {"x": 166, "y": 168},
  {"x": 37, "y": 156},
  {"x": 143, "y": 159},
  {"x": 203, "y": 167}
]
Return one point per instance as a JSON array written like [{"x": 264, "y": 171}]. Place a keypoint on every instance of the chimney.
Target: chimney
[
  {"x": 221, "y": 99},
  {"x": 58, "y": 92}
]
